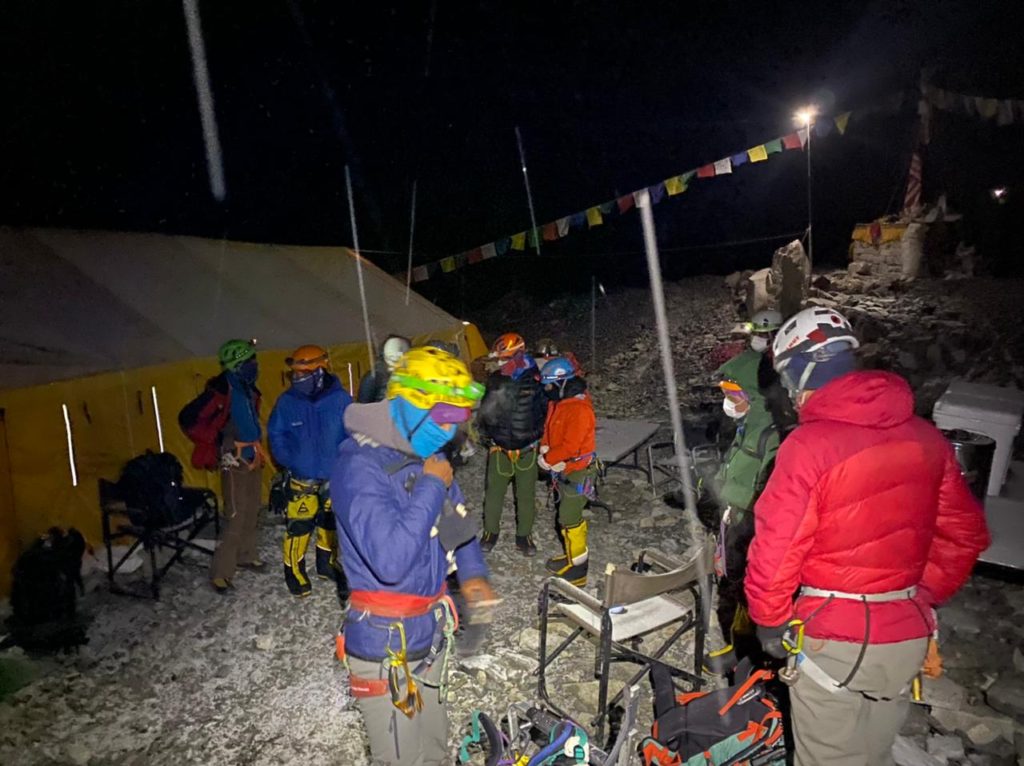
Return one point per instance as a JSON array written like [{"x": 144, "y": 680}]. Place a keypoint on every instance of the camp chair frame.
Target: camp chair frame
[
  {"x": 665, "y": 469},
  {"x": 178, "y": 537},
  {"x": 648, "y": 606}
]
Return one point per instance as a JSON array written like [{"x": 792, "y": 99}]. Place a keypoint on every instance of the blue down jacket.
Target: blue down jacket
[
  {"x": 384, "y": 532},
  {"x": 305, "y": 432}
]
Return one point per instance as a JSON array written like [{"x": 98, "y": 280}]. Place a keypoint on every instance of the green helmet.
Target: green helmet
[{"x": 233, "y": 352}]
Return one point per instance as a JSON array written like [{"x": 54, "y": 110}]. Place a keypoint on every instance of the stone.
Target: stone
[
  {"x": 960, "y": 620},
  {"x": 906, "y": 752},
  {"x": 1006, "y": 695},
  {"x": 264, "y": 643},
  {"x": 1018, "y": 660},
  {"x": 529, "y": 638},
  {"x": 78, "y": 754},
  {"x": 946, "y": 747},
  {"x": 981, "y": 724}
]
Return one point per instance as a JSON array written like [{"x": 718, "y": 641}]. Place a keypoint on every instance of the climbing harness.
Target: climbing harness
[
  {"x": 514, "y": 456},
  {"x": 411, "y": 702}
]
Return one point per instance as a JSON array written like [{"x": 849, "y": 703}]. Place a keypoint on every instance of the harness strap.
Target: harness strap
[
  {"x": 871, "y": 598},
  {"x": 392, "y": 604},
  {"x": 368, "y": 687}
]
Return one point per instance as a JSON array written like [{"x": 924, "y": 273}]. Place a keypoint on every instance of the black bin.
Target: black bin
[{"x": 974, "y": 452}]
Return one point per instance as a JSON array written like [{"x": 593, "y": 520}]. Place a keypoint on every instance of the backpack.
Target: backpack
[
  {"x": 203, "y": 420},
  {"x": 150, "y": 486},
  {"x": 741, "y": 724},
  {"x": 47, "y": 582}
]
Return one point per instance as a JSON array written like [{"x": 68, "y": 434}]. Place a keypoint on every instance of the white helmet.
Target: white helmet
[
  {"x": 766, "y": 320},
  {"x": 393, "y": 350},
  {"x": 810, "y": 330}
]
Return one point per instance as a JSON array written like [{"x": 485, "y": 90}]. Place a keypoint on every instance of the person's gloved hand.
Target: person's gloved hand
[
  {"x": 771, "y": 640},
  {"x": 544, "y": 449},
  {"x": 439, "y": 467},
  {"x": 478, "y": 614},
  {"x": 456, "y": 527}
]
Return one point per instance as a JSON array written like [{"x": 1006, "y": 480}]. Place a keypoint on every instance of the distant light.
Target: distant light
[
  {"x": 71, "y": 446},
  {"x": 601, "y": 288},
  {"x": 999, "y": 194},
  {"x": 806, "y": 115},
  {"x": 465, "y": 323}
]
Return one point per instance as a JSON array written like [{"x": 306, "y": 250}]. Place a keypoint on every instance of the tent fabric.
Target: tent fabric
[{"x": 120, "y": 327}]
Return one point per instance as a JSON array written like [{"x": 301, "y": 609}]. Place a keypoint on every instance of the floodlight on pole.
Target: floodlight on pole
[{"x": 805, "y": 117}]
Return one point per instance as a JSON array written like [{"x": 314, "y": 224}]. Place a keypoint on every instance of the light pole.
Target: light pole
[{"x": 806, "y": 117}]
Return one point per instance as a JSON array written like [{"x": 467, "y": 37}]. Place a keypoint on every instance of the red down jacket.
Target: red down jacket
[{"x": 865, "y": 498}]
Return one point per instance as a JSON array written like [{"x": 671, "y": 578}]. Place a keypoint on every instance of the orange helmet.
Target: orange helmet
[
  {"x": 506, "y": 345},
  {"x": 307, "y": 359}
]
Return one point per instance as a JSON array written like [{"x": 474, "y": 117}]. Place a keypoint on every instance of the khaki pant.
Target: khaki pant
[
  {"x": 240, "y": 520},
  {"x": 847, "y": 728},
  {"x": 395, "y": 739}
]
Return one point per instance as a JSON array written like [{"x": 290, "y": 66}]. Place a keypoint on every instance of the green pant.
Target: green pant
[
  {"x": 571, "y": 501},
  {"x": 501, "y": 470}
]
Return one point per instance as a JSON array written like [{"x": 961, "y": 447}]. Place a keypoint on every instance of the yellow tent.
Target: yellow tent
[{"x": 107, "y": 335}]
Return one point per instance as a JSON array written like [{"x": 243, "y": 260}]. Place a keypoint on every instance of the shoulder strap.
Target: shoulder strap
[{"x": 664, "y": 689}]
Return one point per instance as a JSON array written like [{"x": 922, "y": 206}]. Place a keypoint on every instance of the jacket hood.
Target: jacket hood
[
  {"x": 742, "y": 369},
  {"x": 373, "y": 421},
  {"x": 864, "y": 398}
]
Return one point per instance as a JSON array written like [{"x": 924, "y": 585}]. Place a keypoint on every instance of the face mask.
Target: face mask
[
  {"x": 758, "y": 343},
  {"x": 729, "y": 407},
  {"x": 310, "y": 385},
  {"x": 248, "y": 371},
  {"x": 416, "y": 425},
  {"x": 552, "y": 392}
]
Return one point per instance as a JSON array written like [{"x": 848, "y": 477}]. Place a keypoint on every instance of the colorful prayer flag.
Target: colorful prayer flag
[
  {"x": 502, "y": 245},
  {"x": 448, "y": 264},
  {"x": 774, "y": 146},
  {"x": 723, "y": 167},
  {"x": 594, "y": 217},
  {"x": 519, "y": 241},
  {"x": 739, "y": 159},
  {"x": 488, "y": 251},
  {"x": 625, "y": 202},
  {"x": 674, "y": 185},
  {"x": 550, "y": 232},
  {"x": 656, "y": 193},
  {"x": 419, "y": 274},
  {"x": 606, "y": 208},
  {"x": 475, "y": 255},
  {"x": 842, "y": 121},
  {"x": 803, "y": 134},
  {"x": 532, "y": 237},
  {"x": 563, "y": 226},
  {"x": 576, "y": 220},
  {"x": 792, "y": 141},
  {"x": 757, "y": 154},
  {"x": 461, "y": 259},
  {"x": 707, "y": 171}
]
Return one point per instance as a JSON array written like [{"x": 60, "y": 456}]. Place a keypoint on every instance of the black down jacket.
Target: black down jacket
[{"x": 512, "y": 412}]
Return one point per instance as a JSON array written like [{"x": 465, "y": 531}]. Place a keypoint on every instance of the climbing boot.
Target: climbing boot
[
  {"x": 572, "y": 565},
  {"x": 296, "y": 580},
  {"x": 526, "y": 545},
  {"x": 221, "y": 585},
  {"x": 721, "y": 661},
  {"x": 487, "y": 541}
]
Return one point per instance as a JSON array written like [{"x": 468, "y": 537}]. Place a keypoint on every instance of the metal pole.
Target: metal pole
[
  {"x": 359, "y": 270},
  {"x": 810, "y": 216},
  {"x": 593, "y": 323},
  {"x": 682, "y": 456},
  {"x": 529, "y": 196},
  {"x": 204, "y": 94},
  {"x": 412, "y": 232}
]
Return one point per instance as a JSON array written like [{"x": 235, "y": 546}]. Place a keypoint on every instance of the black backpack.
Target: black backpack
[
  {"x": 150, "y": 486},
  {"x": 47, "y": 582}
]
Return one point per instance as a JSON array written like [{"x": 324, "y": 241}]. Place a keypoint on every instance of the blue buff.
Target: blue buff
[{"x": 416, "y": 425}]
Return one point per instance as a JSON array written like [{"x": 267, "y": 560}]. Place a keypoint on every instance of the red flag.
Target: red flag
[
  {"x": 708, "y": 171},
  {"x": 625, "y": 203},
  {"x": 550, "y": 231},
  {"x": 912, "y": 199},
  {"x": 475, "y": 255},
  {"x": 792, "y": 141}
]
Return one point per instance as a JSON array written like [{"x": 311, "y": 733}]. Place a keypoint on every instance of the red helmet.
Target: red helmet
[{"x": 508, "y": 344}]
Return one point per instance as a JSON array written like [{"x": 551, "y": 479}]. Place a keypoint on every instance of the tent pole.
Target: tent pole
[
  {"x": 359, "y": 270},
  {"x": 529, "y": 196},
  {"x": 682, "y": 455},
  {"x": 204, "y": 94}
]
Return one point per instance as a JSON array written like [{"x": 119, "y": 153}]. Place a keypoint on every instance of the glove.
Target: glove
[
  {"x": 558, "y": 467},
  {"x": 456, "y": 527},
  {"x": 542, "y": 462},
  {"x": 771, "y": 640},
  {"x": 544, "y": 449},
  {"x": 478, "y": 614}
]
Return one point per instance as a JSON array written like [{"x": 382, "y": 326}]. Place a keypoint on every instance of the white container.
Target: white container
[{"x": 984, "y": 409}]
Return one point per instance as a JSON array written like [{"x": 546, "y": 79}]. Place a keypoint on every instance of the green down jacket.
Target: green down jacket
[{"x": 748, "y": 461}]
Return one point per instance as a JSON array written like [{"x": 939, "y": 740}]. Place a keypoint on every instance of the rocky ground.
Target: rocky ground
[{"x": 251, "y": 678}]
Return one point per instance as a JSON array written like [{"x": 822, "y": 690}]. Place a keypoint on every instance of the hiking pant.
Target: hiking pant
[
  {"x": 308, "y": 510},
  {"x": 571, "y": 501},
  {"x": 732, "y": 601},
  {"x": 240, "y": 489},
  {"x": 503, "y": 469},
  {"x": 847, "y": 728},
  {"x": 395, "y": 739}
]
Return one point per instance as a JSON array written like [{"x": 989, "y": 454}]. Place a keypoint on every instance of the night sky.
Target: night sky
[{"x": 101, "y": 128}]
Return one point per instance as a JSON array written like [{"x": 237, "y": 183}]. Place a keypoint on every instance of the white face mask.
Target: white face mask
[
  {"x": 729, "y": 407},
  {"x": 759, "y": 343}
]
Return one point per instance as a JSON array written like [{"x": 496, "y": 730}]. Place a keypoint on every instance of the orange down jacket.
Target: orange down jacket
[{"x": 569, "y": 432}]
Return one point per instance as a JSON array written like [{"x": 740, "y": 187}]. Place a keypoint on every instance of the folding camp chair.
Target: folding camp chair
[
  {"x": 121, "y": 521},
  {"x": 704, "y": 460},
  {"x": 635, "y": 604}
]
